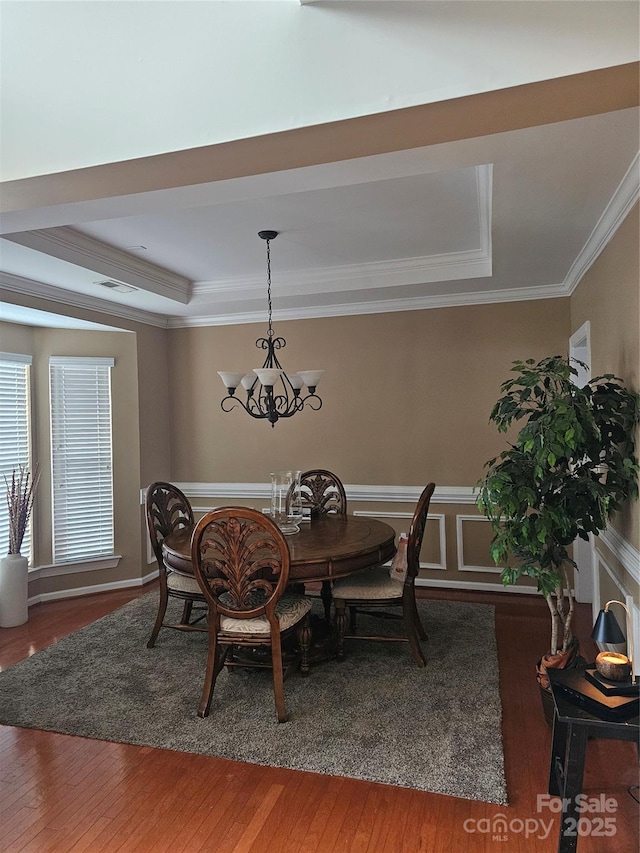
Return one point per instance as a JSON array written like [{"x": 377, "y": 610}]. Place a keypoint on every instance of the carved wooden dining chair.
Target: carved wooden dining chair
[
  {"x": 323, "y": 493},
  {"x": 167, "y": 510},
  {"x": 375, "y": 589},
  {"x": 241, "y": 562}
]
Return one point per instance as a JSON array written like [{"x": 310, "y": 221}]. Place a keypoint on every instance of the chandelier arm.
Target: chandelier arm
[
  {"x": 313, "y": 401},
  {"x": 285, "y": 405},
  {"x": 232, "y": 402}
]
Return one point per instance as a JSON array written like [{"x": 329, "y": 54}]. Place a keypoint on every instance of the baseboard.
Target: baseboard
[
  {"x": 477, "y": 587},
  {"x": 128, "y": 583}
]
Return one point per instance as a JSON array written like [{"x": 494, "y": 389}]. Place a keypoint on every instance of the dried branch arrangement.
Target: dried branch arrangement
[{"x": 20, "y": 495}]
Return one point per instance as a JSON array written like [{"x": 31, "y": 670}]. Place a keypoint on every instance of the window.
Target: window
[
  {"x": 14, "y": 433},
  {"x": 81, "y": 457}
]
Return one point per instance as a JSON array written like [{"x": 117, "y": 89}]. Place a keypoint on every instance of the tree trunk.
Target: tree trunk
[{"x": 568, "y": 614}]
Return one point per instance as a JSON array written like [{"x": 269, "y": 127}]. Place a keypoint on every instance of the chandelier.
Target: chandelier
[{"x": 271, "y": 393}]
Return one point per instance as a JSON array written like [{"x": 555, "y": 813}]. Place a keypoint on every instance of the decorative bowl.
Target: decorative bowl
[{"x": 614, "y": 666}]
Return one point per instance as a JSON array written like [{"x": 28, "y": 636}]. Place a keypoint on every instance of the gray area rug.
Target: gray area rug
[{"x": 376, "y": 716}]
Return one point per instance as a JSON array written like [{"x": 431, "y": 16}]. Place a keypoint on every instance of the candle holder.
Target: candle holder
[{"x": 613, "y": 666}]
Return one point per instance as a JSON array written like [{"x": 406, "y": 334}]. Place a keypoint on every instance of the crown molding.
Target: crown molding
[
  {"x": 71, "y": 246},
  {"x": 28, "y": 287},
  {"x": 623, "y": 199},
  {"x": 449, "y": 266},
  {"x": 473, "y": 263},
  {"x": 17, "y": 284},
  {"x": 350, "y": 309},
  {"x": 56, "y": 240},
  {"x": 484, "y": 180}
]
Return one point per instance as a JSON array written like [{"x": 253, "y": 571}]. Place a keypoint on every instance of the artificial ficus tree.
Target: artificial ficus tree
[{"x": 569, "y": 468}]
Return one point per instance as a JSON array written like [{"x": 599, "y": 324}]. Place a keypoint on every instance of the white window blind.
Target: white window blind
[
  {"x": 14, "y": 434},
  {"x": 81, "y": 457}
]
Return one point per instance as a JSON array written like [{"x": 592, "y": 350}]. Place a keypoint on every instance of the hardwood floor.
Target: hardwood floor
[{"x": 66, "y": 794}]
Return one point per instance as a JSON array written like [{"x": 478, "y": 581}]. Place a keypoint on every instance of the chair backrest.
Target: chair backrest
[
  {"x": 241, "y": 561},
  {"x": 416, "y": 532},
  {"x": 323, "y": 492},
  {"x": 167, "y": 509}
]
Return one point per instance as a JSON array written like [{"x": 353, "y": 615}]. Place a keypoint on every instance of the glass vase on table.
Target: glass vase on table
[{"x": 286, "y": 501}]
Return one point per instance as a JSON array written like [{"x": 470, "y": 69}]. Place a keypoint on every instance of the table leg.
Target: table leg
[
  {"x": 327, "y": 598},
  {"x": 341, "y": 625},
  {"x": 558, "y": 754},
  {"x": 576, "y": 741}
]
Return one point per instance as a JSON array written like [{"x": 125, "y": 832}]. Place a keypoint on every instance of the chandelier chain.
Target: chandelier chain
[{"x": 270, "y": 332}]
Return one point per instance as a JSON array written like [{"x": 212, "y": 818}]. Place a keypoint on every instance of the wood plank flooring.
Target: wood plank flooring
[{"x": 62, "y": 794}]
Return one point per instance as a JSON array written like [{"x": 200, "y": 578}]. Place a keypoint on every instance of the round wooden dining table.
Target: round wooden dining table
[{"x": 327, "y": 547}]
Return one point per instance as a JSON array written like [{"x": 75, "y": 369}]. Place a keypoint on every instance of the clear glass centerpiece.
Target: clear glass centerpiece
[{"x": 286, "y": 505}]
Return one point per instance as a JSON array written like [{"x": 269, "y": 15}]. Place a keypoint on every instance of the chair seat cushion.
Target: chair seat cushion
[
  {"x": 289, "y": 610},
  {"x": 368, "y": 585},
  {"x": 183, "y": 583}
]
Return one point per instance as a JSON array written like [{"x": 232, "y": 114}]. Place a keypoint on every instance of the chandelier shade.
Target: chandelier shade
[{"x": 271, "y": 392}]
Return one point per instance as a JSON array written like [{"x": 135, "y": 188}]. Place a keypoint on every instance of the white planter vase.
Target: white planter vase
[{"x": 14, "y": 591}]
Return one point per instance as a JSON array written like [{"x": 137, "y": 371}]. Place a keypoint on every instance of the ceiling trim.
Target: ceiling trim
[
  {"x": 446, "y": 267},
  {"x": 449, "y": 266},
  {"x": 484, "y": 179},
  {"x": 28, "y": 287},
  {"x": 444, "y": 300},
  {"x": 623, "y": 199},
  {"x": 626, "y": 195},
  {"x": 586, "y": 93},
  {"x": 71, "y": 246}
]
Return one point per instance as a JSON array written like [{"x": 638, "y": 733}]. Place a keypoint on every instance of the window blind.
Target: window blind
[
  {"x": 14, "y": 434},
  {"x": 81, "y": 457}
]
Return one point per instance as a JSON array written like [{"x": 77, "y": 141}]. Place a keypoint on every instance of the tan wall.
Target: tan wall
[
  {"x": 406, "y": 396},
  {"x": 406, "y": 399},
  {"x": 15, "y": 338},
  {"x": 609, "y": 297},
  {"x": 154, "y": 404},
  {"x": 141, "y": 409}
]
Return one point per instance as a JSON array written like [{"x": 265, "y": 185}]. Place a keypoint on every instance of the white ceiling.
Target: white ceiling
[
  {"x": 514, "y": 215},
  {"x": 517, "y": 215}
]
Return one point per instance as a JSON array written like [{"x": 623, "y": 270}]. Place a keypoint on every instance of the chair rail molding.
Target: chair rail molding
[
  {"x": 623, "y": 551},
  {"x": 364, "y": 493}
]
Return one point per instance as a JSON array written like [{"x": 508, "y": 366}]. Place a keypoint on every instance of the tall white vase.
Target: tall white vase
[{"x": 14, "y": 590}]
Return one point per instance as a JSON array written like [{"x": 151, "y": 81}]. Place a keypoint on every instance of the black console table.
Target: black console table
[{"x": 572, "y": 726}]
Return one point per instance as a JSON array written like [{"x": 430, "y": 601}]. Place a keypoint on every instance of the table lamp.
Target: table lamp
[{"x": 606, "y": 631}]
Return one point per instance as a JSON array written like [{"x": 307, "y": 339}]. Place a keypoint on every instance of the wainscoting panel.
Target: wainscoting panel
[
  {"x": 456, "y": 548},
  {"x": 480, "y": 551}
]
